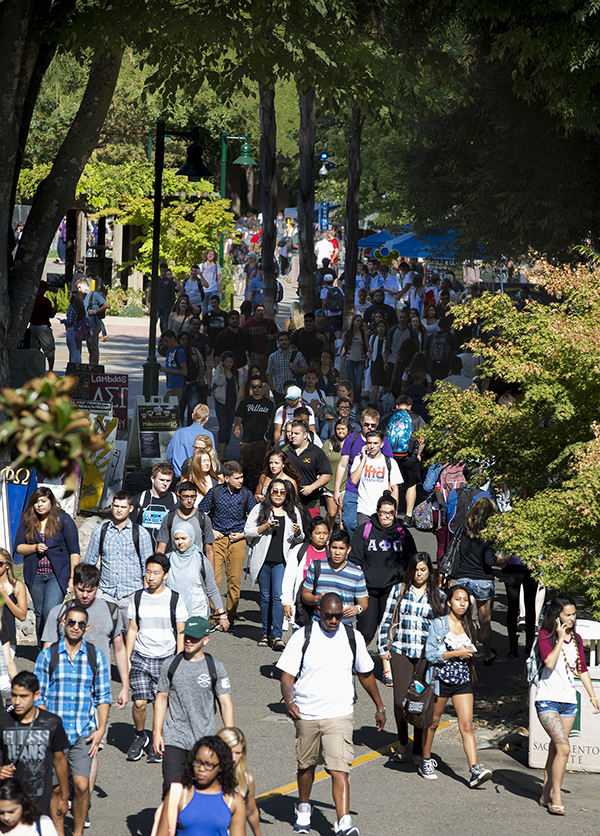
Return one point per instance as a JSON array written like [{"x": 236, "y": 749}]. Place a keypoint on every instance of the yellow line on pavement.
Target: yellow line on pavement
[{"x": 321, "y": 776}]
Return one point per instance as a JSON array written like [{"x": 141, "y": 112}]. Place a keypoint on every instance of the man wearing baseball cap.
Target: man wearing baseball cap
[
  {"x": 189, "y": 686},
  {"x": 285, "y": 413}
]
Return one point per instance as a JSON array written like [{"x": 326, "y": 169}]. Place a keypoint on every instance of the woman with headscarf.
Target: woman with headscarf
[{"x": 192, "y": 576}]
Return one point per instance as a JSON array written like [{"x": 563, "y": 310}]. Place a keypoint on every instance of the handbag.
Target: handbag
[
  {"x": 449, "y": 562},
  {"x": 423, "y": 514},
  {"x": 417, "y": 706}
]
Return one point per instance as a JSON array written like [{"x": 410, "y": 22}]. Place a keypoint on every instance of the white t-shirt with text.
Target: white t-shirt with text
[{"x": 375, "y": 479}]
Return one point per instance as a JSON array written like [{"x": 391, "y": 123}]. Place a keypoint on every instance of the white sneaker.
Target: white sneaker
[
  {"x": 344, "y": 827},
  {"x": 303, "y": 813}
]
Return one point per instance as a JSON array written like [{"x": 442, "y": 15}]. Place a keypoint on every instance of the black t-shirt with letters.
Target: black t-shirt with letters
[
  {"x": 311, "y": 463},
  {"x": 34, "y": 766},
  {"x": 256, "y": 416}
]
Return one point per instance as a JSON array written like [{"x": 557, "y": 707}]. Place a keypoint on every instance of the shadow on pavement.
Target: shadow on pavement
[
  {"x": 523, "y": 784},
  {"x": 120, "y": 735},
  {"x": 140, "y": 824}
]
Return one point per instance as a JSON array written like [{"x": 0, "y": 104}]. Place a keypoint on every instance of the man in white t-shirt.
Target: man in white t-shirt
[
  {"x": 374, "y": 473},
  {"x": 317, "y": 687},
  {"x": 390, "y": 285},
  {"x": 323, "y": 249},
  {"x": 157, "y": 616}
]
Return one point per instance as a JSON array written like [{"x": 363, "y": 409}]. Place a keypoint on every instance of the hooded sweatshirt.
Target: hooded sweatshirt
[{"x": 382, "y": 553}]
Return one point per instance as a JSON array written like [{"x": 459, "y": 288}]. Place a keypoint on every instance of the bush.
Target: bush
[
  {"x": 125, "y": 302},
  {"x": 117, "y": 299},
  {"x": 133, "y": 310}
]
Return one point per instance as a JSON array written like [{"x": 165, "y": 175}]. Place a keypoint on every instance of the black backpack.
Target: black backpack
[
  {"x": 212, "y": 672},
  {"x": 137, "y": 599},
  {"x": 335, "y": 300},
  {"x": 304, "y": 612},
  {"x": 307, "y": 635},
  {"x": 91, "y": 655},
  {"x": 439, "y": 350}
]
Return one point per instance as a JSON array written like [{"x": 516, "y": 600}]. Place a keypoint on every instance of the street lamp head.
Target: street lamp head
[
  {"x": 245, "y": 157},
  {"x": 194, "y": 168},
  {"x": 323, "y": 171}
]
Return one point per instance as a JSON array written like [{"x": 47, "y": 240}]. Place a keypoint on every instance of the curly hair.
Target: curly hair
[
  {"x": 234, "y": 737},
  {"x": 226, "y": 774}
]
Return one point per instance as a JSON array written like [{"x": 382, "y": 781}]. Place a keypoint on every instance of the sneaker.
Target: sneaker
[
  {"x": 479, "y": 774},
  {"x": 303, "y": 813},
  {"x": 345, "y": 827},
  {"x": 408, "y": 522},
  {"x": 153, "y": 757},
  {"x": 136, "y": 750},
  {"x": 87, "y": 822},
  {"x": 427, "y": 769}
]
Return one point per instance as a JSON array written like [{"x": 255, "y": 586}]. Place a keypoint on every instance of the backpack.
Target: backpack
[
  {"x": 451, "y": 478},
  {"x": 90, "y": 649},
  {"x": 201, "y": 517},
  {"x": 534, "y": 664},
  {"x": 458, "y": 504},
  {"x": 215, "y": 494},
  {"x": 114, "y": 612},
  {"x": 136, "y": 541},
  {"x": 369, "y": 526},
  {"x": 82, "y": 332},
  {"x": 335, "y": 300},
  {"x": 399, "y": 431},
  {"x": 303, "y": 613},
  {"x": 439, "y": 350},
  {"x": 307, "y": 635},
  {"x": 283, "y": 241},
  {"x": 137, "y": 599},
  {"x": 212, "y": 672},
  {"x": 278, "y": 291}
]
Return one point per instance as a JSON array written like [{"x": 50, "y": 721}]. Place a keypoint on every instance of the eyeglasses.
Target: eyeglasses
[
  {"x": 387, "y": 513},
  {"x": 345, "y": 408},
  {"x": 187, "y": 496},
  {"x": 72, "y": 623},
  {"x": 206, "y": 764},
  {"x": 4, "y": 563}
]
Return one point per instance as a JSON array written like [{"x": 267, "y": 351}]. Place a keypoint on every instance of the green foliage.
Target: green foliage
[
  {"x": 546, "y": 446},
  {"x": 125, "y": 302},
  {"x": 190, "y": 225},
  {"x": 62, "y": 301},
  {"x": 44, "y": 429}
]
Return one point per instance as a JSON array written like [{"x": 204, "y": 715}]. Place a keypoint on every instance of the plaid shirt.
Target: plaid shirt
[
  {"x": 122, "y": 572},
  {"x": 279, "y": 366},
  {"x": 73, "y": 692},
  {"x": 415, "y": 617}
]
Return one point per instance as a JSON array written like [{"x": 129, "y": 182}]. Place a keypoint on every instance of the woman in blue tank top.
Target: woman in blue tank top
[{"x": 205, "y": 803}]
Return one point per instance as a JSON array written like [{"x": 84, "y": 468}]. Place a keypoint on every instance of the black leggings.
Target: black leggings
[
  {"x": 402, "y": 671},
  {"x": 513, "y": 581},
  {"x": 368, "y": 622}
]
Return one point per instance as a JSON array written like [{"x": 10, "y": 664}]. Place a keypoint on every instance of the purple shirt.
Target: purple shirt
[{"x": 353, "y": 446}]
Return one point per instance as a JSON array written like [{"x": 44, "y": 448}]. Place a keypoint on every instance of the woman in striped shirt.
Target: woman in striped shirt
[{"x": 409, "y": 612}]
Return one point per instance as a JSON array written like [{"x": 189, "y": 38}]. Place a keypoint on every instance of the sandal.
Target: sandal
[
  {"x": 386, "y": 679},
  {"x": 399, "y": 757},
  {"x": 264, "y": 642},
  {"x": 556, "y": 809},
  {"x": 279, "y": 645}
]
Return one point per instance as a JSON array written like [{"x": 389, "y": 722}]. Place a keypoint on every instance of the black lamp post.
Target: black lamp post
[{"x": 195, "y": 170}]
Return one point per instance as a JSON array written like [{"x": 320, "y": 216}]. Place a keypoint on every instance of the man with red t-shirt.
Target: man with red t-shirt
[
  {"x": 261, "y": 329},
  {"x": 336, "y": 248}
]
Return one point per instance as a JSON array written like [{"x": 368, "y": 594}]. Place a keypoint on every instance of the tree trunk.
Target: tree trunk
[
  {"x": 306, "y": 198},
  {"x": 352, "y": 213},
  {"x": 268, "y": 192},
  {"x": 54, "y": 196}
]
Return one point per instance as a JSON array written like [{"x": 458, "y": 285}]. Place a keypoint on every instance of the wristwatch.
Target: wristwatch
[{"x": 359, "y": 608}]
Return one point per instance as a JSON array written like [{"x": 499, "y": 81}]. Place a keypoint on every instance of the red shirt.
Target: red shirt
[
  {"x": 42, "y": 311},
  {"x": 259, "y": 332},
  {"x": 336, "y": 246}
]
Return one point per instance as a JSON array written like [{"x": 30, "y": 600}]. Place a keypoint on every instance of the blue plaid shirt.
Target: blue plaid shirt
[
  {"x": 229, "y": 514},
  {"x": 73, "y": 692},
  {"x": 411, "y": 625},
  {"x": 121, "y": 571}
]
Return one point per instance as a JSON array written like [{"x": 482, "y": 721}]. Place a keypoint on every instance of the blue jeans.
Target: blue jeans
[
  {"x": 563, "y": 709},
  {"x": 226, "y": 418},
  {"x": 349, "y": 512},
  {"x": 480, "y": 590},
  {"x": 190, "y": 399},
  {"x": 356, "y": 372},
  {"x": 74, "y": 346},
  {"x": 45, "y": 593},
  {"x": 270, "y": 579}
]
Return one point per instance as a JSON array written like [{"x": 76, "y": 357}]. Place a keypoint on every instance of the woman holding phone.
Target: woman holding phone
[{"x": 561, "y": 651}]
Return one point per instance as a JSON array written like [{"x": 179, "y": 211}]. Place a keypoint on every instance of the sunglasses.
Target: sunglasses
[
  {"x": 330, "y": 616},
  {"x": 72, "y": 623},
  {"x": 277, "y": 493},
  {"x": 257, "y": 386}
]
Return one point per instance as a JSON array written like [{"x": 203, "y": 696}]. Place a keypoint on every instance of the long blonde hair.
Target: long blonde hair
[
  {"x": 206, "y": 441},
  {"x": 233, "y": 737},
  {"x": 297, "y": 315},
  {"x": 197, "y": 475},
  {"x": 10, "y": 566}
]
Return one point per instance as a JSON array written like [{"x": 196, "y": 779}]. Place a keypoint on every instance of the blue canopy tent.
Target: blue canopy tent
[
  {"x": 429, "y": 247},
  {"x": 374, "y": 241}
]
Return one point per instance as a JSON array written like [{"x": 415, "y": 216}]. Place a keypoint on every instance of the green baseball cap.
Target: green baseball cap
[{"x": 197, "y": 627}]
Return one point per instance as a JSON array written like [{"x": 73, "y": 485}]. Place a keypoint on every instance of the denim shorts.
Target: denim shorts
[
  {"x": 563, "y": 709},
  {"x": 480, "y": 590}
]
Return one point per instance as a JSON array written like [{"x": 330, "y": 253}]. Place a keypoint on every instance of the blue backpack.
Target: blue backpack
[{"x": 399, "y": 431}]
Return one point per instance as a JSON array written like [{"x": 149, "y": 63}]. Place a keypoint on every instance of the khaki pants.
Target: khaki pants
[{"x": 231, "y": 557}]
